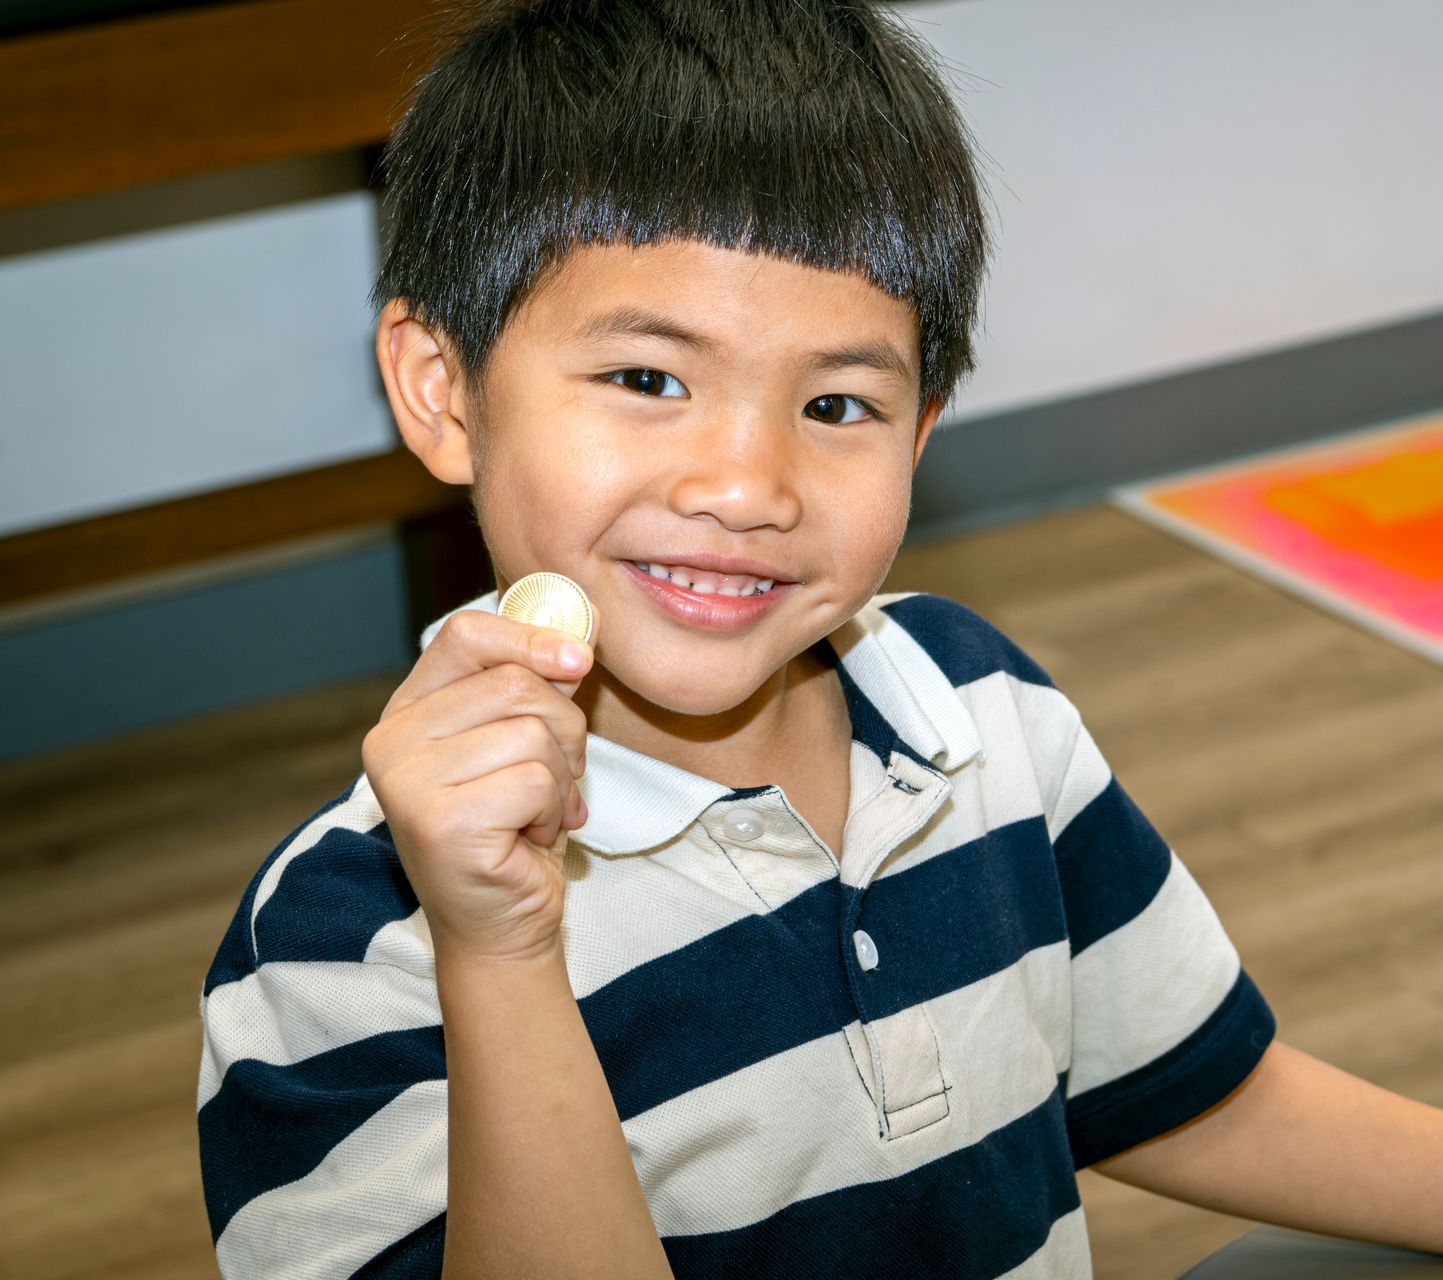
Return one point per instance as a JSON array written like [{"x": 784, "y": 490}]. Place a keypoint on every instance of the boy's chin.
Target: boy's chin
[{"x": 690, "y": 693}]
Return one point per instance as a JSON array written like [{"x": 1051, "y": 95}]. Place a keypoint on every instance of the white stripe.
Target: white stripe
[
  {"x": 1087, "y": 778},
  {"x": 982, "y": 800},
  {"x": 406, "y": 944},
  {"x": 360, "y": 811},
  {"x": 1071, "y": 772},
  {"x": 1150, "y": 983},
  {"x": 378, "y": 1184},
  {"x": 1014, "y": 782},
  {"x": 1066, "y": 1255},
  {"x": 294, "y": 1009},
  {"x": 806, "y": 1119},
  {"x": 620, "y": 913}
]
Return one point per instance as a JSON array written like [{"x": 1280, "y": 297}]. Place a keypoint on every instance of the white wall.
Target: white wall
[
  {"x": 1183, "y": 183},
  {"x": 199, "y": 346},
  {"x": 1176, "y": 184}
]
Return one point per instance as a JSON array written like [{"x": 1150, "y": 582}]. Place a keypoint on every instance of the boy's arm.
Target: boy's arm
[
  {"x": 1303, "y": 1144},
  {"x": 540, "y": 1180}
]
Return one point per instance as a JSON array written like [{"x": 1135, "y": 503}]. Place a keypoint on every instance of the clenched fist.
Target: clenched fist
[{"x": 474, "y": 761}]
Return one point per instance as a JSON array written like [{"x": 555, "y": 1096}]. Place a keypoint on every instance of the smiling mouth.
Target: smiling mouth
[{"x": 706, "y": 582}]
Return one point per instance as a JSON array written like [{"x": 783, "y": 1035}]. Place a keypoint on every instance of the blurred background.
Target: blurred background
[{"x": 1216, "y": 238}]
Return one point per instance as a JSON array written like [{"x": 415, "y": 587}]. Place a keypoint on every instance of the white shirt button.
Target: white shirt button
[
  {"x": 866, "y": 949},
  {"x": 742, "y": 825}
]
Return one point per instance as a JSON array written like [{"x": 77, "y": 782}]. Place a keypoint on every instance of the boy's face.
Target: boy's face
[{"x": 771, "y": 443}]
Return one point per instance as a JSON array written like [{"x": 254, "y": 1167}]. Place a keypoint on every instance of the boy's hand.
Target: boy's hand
[{"x": 474, "y": 762}]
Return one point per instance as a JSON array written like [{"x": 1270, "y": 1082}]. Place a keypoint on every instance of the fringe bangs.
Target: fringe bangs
[{"x": 816, "y": 131}]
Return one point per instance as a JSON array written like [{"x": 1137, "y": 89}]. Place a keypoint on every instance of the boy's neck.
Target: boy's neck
[{"x": 761, "y": 742}]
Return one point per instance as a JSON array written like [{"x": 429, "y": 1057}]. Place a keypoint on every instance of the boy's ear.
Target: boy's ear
[
  {"x": 428, "y": 396},
  {"x": 925, "y": 423}
]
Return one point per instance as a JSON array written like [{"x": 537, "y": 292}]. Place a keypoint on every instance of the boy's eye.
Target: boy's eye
[
  {"x": 831, "y": 408},
  {"x": 654, "y": 382},
  {"x": 649, "y": 382}
]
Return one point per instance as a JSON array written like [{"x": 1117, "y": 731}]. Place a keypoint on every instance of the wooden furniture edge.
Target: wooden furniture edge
[
  {"x": 119, "y": 103},
  {"x": 388, "y": 486}
]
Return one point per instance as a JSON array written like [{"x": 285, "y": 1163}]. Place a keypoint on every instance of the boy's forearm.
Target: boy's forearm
[
  {"x": 1306, "y": 1145},
  {"x": 540, "y": 1180}
]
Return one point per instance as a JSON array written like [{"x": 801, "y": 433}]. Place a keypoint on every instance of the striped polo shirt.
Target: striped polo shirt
[{"x": 888, "y": 1063}]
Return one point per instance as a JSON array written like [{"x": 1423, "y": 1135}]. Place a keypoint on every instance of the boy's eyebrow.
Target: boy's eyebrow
[{"x": 641, "y": 322}]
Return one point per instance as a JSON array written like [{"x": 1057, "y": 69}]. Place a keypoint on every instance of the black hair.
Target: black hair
[{"x": 815, "y": 130}]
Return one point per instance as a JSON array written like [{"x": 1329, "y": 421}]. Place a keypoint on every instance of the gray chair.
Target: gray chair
[{"x": 1277, "y": 1253}]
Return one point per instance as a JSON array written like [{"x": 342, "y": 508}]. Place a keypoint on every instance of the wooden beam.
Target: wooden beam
[
  {"x": 99, "y": 108},
  {"x": 85, "y": 553}
]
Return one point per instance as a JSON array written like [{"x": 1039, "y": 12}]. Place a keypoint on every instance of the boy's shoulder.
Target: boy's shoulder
[
  {"x": 333, "y": 889},
  {"x": 961, "y": 666},
  {"x": 960, "y": 642}
]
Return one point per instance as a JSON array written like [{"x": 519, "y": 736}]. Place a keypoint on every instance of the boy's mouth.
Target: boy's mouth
[
  {"x": 707, "y": 582},
  {"x": 714, "y": 597}
]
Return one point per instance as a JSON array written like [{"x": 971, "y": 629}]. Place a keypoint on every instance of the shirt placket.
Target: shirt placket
[
  {"x": 897, "y": 1054},
  {"x": 776, "y": 854}
]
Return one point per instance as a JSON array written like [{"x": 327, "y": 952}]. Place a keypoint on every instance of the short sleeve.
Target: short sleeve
[
  {"x": 322, "y": 1093},
  {"x": 1166, "y": 1022}
]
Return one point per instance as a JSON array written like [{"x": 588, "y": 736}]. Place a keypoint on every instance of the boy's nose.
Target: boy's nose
[{"x": 743, "y": 479}]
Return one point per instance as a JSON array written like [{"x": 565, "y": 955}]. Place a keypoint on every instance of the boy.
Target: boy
[{"x": 856, "y": 950}]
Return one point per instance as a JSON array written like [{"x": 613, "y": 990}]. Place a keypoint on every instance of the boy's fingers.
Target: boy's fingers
[
  {"x": 509, "y": 691},
  {"x": 473, "y": 640},
  {"x": 489, "y": 748},
  {"x": 552, "y": 835},
  {"x": 520, "y": 797}
]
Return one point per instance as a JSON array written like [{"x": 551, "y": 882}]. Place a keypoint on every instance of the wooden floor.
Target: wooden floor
[{"x": 1291, "y": 759}]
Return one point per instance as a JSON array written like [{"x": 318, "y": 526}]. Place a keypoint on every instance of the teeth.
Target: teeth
[{"x": 704, "y": 585}]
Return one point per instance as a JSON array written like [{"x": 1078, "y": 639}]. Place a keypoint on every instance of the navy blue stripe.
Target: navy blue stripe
[
  {"x": 962, "y": 643},
  {"x": 1111, "y": 862},
  {"x": 332, "y": 899},
  {"x": 971, "y": 1215},
  {"x": 958, "y": 918},
  {"x": 234, "y": 959},
  {"x": 768, "y": 983},
  {"x": 731, "y": 998},
  {"x": 269, "y": 1125},
  {"x": 416, "y": 1256},
  {"x": 1181, "y": 1084}
]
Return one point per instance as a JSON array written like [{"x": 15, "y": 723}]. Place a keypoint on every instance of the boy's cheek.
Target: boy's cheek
[{"x": 871, "y": 531}]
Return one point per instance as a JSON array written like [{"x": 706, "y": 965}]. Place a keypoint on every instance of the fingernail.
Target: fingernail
[{"x": 572, "y": 657}]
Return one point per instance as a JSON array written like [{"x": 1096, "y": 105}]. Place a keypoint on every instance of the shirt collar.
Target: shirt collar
[
  {"x": 909, "y": 690},
  {"x": 636, "y": 802}
]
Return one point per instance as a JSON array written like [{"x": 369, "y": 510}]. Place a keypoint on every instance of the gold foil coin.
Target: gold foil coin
[{"x": 549, "y": 600}]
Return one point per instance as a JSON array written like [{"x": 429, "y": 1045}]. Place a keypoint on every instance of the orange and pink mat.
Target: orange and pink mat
[{"x": 1353, "y": 523}]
